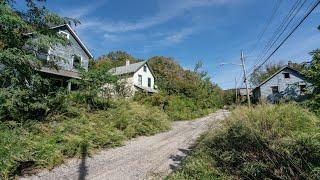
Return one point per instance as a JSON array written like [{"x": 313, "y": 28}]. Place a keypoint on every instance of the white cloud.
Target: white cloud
[
  {"x": 167, "y": 10},
  {"x": 80, "y": 12}
]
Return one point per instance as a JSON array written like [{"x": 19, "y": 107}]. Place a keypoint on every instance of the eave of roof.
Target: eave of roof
[
  {"x": 114, "y": 70},
  {"x": 60, "y": 72}
]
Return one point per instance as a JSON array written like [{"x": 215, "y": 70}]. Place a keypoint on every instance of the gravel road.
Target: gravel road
[{"x": 151, "y": 157}]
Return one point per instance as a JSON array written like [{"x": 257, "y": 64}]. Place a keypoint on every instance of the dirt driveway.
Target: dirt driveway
[{"x": 151, "y": 157}]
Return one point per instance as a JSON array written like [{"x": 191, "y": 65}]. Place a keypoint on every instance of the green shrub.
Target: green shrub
[
  {"x": 267, "y": 142},
  {"x": 29, "y": 145}
]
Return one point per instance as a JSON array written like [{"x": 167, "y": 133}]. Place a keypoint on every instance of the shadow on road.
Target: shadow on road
[
  {"x": 83, "y": 171},
  {"x": 178, "y": 158}
]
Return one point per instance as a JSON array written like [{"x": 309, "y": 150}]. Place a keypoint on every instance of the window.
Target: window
[
  {"x": 303, "y": 88},
  {"x": 286, "y": 75},
  {"x": 149, "y": 82},
  {"x": 275, "y": 89},
  {"x": 64, "y": 34},
  {"x": 145, "y": 68},
  {"x": 76, "y": 62},
  {"x": 140, "y": 80}
]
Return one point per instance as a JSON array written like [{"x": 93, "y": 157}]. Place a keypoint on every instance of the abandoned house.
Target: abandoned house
[
  {"x": 138, "y": 76},
  {"x": 285, "y": 84},
  {"x": 69, "y": 58}
]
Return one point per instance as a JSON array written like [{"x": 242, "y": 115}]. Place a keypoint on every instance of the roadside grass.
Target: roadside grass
[
  {"x": 265, "y": 142},
  {"x": 26, "y": 147}
]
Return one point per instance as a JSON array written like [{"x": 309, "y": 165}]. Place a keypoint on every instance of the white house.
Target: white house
[{"x": 139, "y": 76}]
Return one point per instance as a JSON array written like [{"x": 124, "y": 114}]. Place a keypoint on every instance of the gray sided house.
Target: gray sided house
[
  {"x": 69, "y": 58},
  {"x": 285, "y": 84}
]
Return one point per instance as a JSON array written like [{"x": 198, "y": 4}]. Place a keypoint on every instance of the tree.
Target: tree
[
  {"x": 24, "y": 94},
  {"x": 116, "y": 58},
  {"x": 259, "y": 75}
]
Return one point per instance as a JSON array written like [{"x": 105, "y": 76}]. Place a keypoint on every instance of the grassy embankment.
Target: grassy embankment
[
  {"x": 31, "y": 145},
  {"x": 267, "y": 142}
]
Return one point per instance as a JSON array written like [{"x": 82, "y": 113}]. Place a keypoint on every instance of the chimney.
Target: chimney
[
  {"x": 127, "y": 62},
  {"x": 290, "y": 63}
]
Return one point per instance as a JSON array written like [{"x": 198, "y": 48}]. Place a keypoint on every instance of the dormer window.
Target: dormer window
[
  {"x": 76, "y": 62},
  {"x": 64, "y": 34},
  {"x": 145, "y": 68}
]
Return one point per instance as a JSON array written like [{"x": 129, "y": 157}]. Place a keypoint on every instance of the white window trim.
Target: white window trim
[
  {"x": 65, "y": 33},
  {"x": 140, "y": 82},
  {"x": 73, "y": 61}
]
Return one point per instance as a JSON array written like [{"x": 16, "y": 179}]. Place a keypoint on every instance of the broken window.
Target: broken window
[
  {"x": 286, "y": 75},
  {"x": 76, "y": 62},
  {"x": 64, "y": 34},
  {"x": 275, "y": 89},
  {"x": 303, "y": 88}
]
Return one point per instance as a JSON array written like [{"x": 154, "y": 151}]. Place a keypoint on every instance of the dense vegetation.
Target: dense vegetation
[
  {"x": 268, "y": 142},
  {"x": 185, "y": 94},
  {"x": 42, "y": 124}
]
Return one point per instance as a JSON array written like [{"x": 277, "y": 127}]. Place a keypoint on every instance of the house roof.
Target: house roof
[
  {"x": 128, "y": 69},
  {"x": 76, "y": 37},
  {"x": 279, "y": 71}
]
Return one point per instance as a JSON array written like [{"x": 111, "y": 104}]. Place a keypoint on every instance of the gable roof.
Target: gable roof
[
  {"x": 279, "y": 71},
  {"x": 76, "y": 37},
  {"x": 128, "y": 69}
]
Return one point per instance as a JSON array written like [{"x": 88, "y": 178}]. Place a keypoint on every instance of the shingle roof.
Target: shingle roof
[{"x": 131, "y": 68}]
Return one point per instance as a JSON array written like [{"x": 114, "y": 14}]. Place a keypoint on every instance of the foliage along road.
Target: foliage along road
[{"x": 141, "y": 158}]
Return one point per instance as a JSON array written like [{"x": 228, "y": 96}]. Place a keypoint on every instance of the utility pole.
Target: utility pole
[
  {"x": 235, "y": 83},
  {"x": 245, "y": 77}
]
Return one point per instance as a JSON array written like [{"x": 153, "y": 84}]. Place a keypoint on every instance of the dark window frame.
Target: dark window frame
[
  {"x": 149, "y": 82},
  {"x": 286, "y": 75},
  {"x": 144, "y": 68},
  {"x": 76, "y": 65},
  {"x": 303, "y": 88},
  {"x": 275, "y": 89}
]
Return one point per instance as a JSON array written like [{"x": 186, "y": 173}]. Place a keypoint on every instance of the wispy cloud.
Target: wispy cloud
[
  {"x": 82, "y": 11},
  {"x": 167, "y": 10}
]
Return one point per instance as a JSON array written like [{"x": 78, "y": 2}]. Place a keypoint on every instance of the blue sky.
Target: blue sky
[{"x": 214, "y": 31}]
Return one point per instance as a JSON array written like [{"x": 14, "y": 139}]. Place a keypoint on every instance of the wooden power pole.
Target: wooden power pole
[{"x": 245, "y": 77}]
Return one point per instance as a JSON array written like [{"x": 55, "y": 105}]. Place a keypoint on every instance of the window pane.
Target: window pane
[
  {"x": 139, "y": 79},
  {"x": 76, "y": 61},
  {"x": 149, "y": 82}
]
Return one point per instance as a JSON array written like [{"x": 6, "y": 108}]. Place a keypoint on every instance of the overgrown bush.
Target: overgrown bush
[
  {"x": 32, "y": 145},
  {"x": 268, "y": 142},
  {"x": 177, "y": 107}
]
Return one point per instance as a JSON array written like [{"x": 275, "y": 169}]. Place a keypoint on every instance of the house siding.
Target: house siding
[
  {"x": 286, "y": 86},
  {"x": 67, "y": 52},
  {"x": 145, "y": 76}
]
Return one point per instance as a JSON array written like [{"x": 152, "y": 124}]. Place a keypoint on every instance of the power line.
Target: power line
[
  {"x": 269, "y": 20},
  {"x": 288, "y": 36},
  {"x": 276, "y": 34}
]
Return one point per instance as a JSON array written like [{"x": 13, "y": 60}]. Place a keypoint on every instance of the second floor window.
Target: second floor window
[
  {"x": 64, "y": 34},
  {"x": 145, "y": 68},
  {"x": 76, "y": 62},
  {"x": 149, "y": 82},
  {"x": 140, "y": 80},
  {"x": 286, "y": 75}
]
